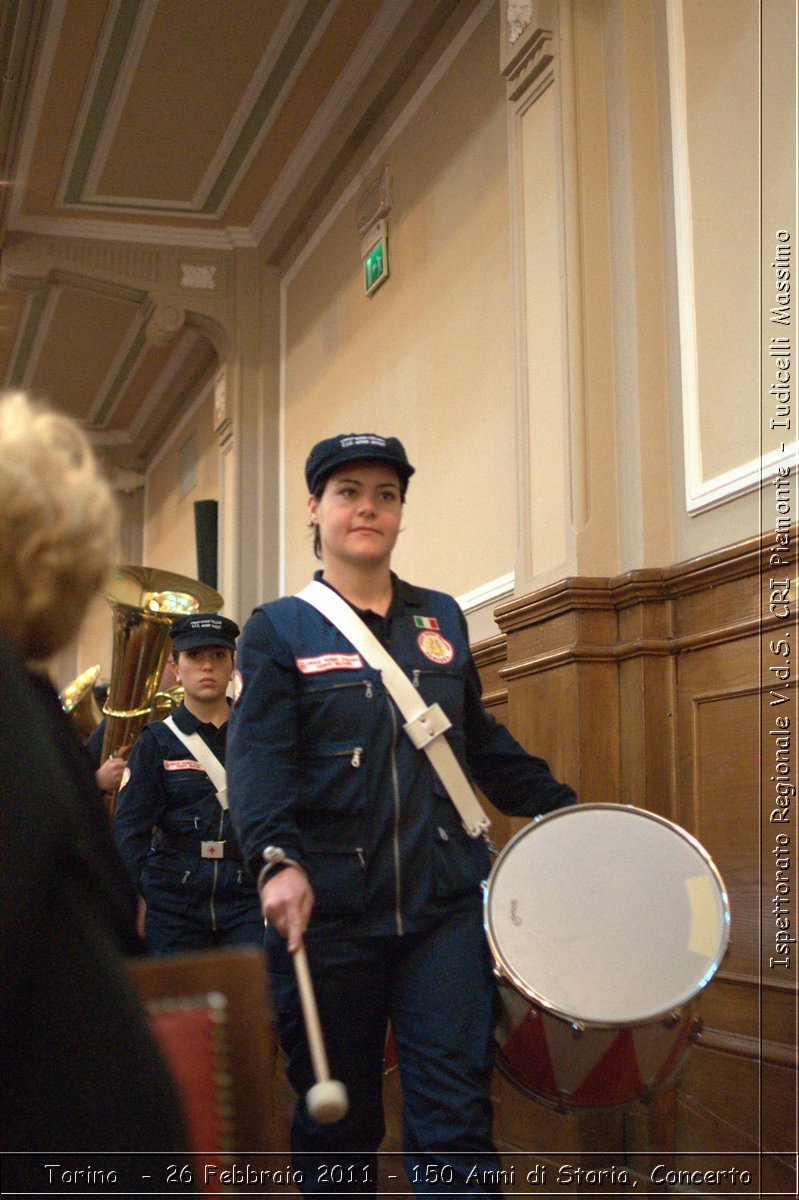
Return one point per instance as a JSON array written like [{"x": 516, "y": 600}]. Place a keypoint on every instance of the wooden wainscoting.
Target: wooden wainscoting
[{"x": 653, "y": 689}]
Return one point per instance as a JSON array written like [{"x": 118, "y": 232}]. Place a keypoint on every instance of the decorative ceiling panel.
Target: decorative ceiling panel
[
  {"x": 144, "y": 140},
  {"x": 60, "y": 356},
  {"x": 173, "y": 99},
  {"x": 148, "y": 374}
]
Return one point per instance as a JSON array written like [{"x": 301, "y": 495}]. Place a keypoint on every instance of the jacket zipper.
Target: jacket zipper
[
  {"x": 395, "y": 784},
  {"x": 216, "y": 874},
  {"x": 355, "y": 755},
  {"x": 366, "y": 684}
]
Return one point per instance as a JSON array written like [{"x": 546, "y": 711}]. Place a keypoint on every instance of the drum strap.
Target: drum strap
[
  {"x": 424, "y": 725},
  {"x": 205, "y": 757}
]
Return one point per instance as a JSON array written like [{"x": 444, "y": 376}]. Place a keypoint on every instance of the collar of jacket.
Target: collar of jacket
[
  {"x": 404, "y": 593},
  {"x": 188, "y": 723}
]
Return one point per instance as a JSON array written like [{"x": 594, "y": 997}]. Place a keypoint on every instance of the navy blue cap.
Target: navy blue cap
[
  {"x": 332, "y": 453},
  {"x": 203, "y": 629}
]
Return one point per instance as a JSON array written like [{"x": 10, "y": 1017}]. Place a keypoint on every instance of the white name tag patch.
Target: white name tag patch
[
  {"x": 329, "y": 662},
  {"x": 182, "y": 764}
]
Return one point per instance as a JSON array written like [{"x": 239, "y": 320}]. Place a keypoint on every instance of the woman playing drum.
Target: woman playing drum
[{"x": 360, "y": 851}]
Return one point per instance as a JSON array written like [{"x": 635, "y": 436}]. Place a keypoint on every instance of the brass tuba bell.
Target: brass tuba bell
[
  {"x": 144, "y": 603},
  {"x": 166, "y": 702},
  {"x": 79, "y": 703}
]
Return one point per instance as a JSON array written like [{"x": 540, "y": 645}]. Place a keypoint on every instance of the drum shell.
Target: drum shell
[{"x": 577, "y": 1069}]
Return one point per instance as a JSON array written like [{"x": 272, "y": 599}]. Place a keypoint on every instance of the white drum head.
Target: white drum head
[{"x": 606, "y": 915}]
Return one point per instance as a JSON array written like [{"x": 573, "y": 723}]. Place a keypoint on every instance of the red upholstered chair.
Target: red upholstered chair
[{"x": 208, "y": 1011}]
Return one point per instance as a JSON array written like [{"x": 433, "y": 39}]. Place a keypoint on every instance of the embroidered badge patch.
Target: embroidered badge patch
[
  {"x": 329, "y": 662},
  {"x": 237, "y": 684},
  {"x": 181, "y": 764},
  {"x": 435, "y": 647},
  {"x": 125, "y": 778}
]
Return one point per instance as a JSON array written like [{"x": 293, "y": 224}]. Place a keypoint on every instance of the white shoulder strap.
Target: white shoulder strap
[
  {"x": 424, "y": 725},
  {"x": 205, "y": 757}
]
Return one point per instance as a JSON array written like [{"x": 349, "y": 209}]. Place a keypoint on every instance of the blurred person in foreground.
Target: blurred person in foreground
[{"x": 81, "y": 1071}]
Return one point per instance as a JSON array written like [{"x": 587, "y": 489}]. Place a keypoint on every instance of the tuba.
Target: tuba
[
  {"x": 166, "y": 702},
  {"x": 144, "y": 603},
  {"x": 79, "y": 703}
]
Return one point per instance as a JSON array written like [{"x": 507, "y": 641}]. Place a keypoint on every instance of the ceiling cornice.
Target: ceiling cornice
[{"x": 231, "y": 238}]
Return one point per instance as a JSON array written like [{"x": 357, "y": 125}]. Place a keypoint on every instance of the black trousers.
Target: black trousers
[{"x": 437, "y": 988}]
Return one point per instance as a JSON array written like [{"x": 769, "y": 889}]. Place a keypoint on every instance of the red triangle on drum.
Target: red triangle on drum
[
  {"x": 615, "y": 1079},
  {"x": 525, "y": 1058}
]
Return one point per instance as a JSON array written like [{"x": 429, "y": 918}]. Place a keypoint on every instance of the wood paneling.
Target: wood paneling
[{"x": 652, "y": 689}]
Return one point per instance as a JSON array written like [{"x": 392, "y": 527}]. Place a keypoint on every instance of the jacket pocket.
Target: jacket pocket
[
  {"x": 172, "y": 881},
  {"x": 335, "y": 779},
  {"x": 338, "y": 879},
  {"x": 460, "y": 863},
  {"x": 330, "y": 709}
]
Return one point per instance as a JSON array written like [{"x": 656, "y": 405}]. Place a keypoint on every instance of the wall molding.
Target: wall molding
[
  {"x": 761, "y": 1050},
  {"x": 701, "y": 494},
  {"x": 748, "y": 477},
  {"x": 493, "y": 592},
  {"x": 526, "y": 43},
  {"x": 645, "y": 587}
]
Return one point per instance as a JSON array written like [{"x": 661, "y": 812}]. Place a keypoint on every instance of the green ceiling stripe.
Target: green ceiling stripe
[
  {"x": 295, "y": 44},
  {"x": 121, "y": 377},
  {"x": 101, "y": 98},
  {"x": 32, "y": 322}
]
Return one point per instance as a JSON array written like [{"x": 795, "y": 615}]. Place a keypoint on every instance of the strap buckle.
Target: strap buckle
[{"x": 429, "y": 725}]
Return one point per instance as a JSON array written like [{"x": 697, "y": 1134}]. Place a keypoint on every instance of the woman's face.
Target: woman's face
[
  {"x": 359, "y": 514},
  {"x": 204, "y": 672}
]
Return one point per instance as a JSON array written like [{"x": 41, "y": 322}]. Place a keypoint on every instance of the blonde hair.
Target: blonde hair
[{"x": 58, "y": 526}]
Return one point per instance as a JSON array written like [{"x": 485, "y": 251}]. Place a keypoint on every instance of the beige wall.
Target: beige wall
[
  {"x": 169, "y": 538},
  {"x": 569, "y": 342},
  {"x": 636, "y": 214},
  {"x": 428, "y": 357},
  {"x": 721, "y": 129},
  {"x": 729, "y": 175}
]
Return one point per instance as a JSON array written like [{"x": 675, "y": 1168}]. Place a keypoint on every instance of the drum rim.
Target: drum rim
[{"x": 506, "y": 971}]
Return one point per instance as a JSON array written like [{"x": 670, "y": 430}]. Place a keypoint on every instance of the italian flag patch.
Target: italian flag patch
[{"x": 425, "y": 622}]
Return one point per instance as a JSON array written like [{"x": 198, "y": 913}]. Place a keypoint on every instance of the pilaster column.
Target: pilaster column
[
  {"x": 247, "y": 407},
  {"x": 551, "y": 58}
]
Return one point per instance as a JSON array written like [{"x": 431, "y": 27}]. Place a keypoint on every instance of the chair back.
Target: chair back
[{"x": 209, "y": 1013}]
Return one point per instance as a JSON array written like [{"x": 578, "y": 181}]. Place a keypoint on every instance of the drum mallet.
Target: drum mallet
[{"x": 327, "y": 1100}]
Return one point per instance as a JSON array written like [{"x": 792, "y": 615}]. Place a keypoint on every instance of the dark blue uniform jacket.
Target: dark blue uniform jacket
[{"x": 319, "y": 764}]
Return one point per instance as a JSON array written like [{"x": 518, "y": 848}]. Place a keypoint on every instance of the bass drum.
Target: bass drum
[{"x": 604, "y": 922}]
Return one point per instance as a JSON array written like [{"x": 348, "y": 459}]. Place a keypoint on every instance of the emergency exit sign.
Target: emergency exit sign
[{"x": 375, "y": 260}]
